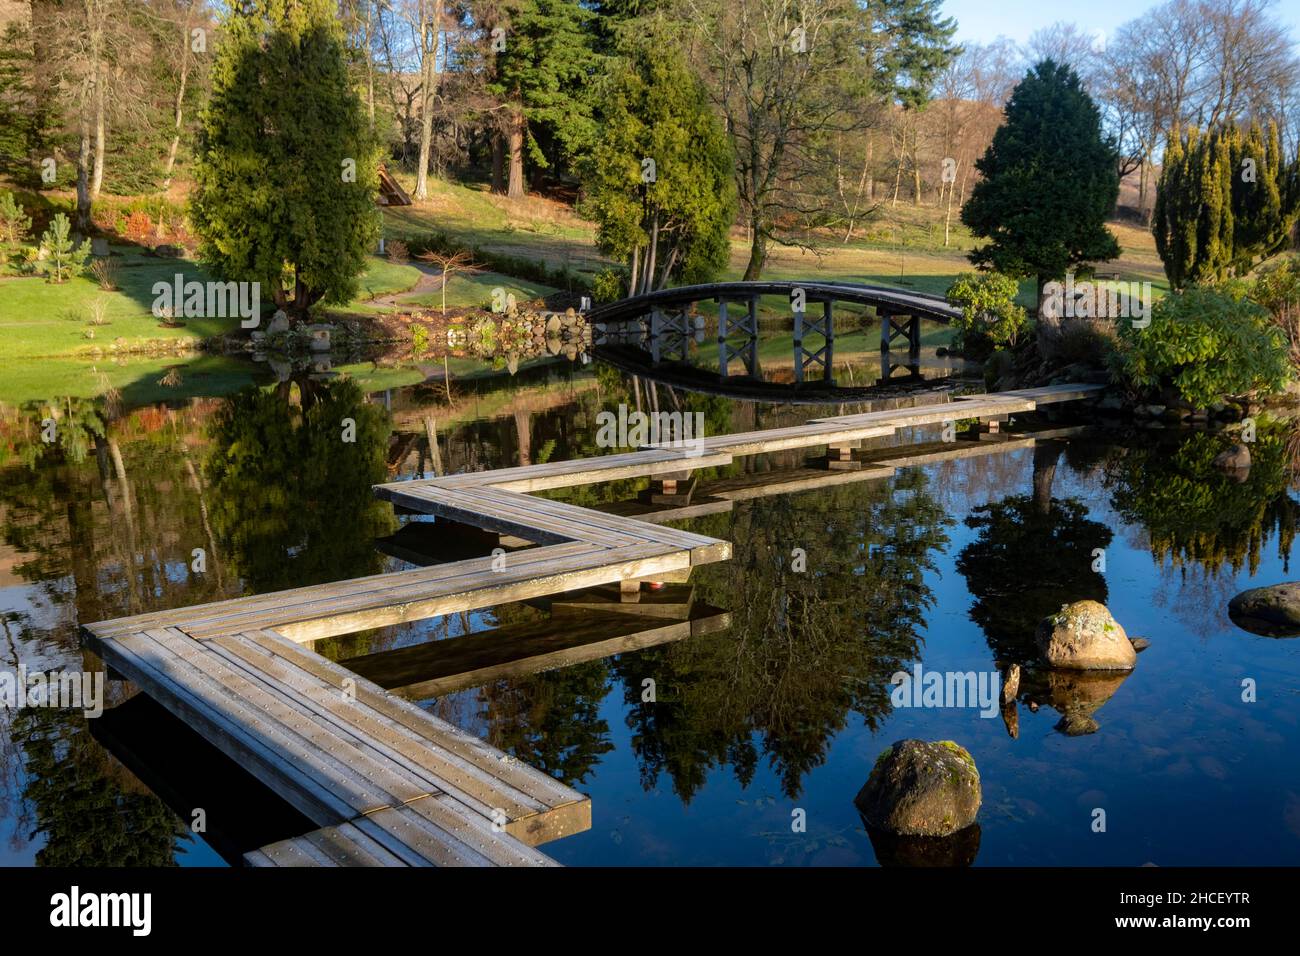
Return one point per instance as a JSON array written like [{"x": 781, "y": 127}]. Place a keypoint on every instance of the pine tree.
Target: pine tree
[
  {"x": 63, "y": 257},
  {"x": 286, "y": 169},
  {"x": 1049, "y": 183}
]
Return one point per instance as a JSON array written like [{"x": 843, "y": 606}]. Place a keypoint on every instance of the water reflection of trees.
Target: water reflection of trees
[
  {"x": 1196, "y": 515},
  {"x": 292, "y": 501},
  {"x": 552, "y": 720},
  {"x": 805, "y": 649},
  {"x": 104, "y": 520},
  {"x": 58, "y": 783},
  {"x": 1032, "y": 554}
]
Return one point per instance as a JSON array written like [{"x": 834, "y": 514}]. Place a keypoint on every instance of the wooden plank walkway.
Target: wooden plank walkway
[{"x": 388, "y": 783}]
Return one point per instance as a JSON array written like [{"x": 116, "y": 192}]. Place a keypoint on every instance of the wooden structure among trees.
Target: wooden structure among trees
[
  {"x": 385, "y": 781},
  {"x": 391, "y": 192}
]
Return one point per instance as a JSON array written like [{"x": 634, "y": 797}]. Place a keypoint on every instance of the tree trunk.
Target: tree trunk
[
  {"x": 1049, "y": 327},
  {"x": 180, "y": 109},
  {"x": 498, "y": 165},
  {"x": 871, "y": 173},
  {"x": 83, "y": 176},
  {"x": 430, "y": 23},
  {"x": 515, "y": 189},
  {"x": 947, "y": 218},
  {"x": 98, "y": 180},
  {"x": 370, "y": 64},
  {"x": 916, "y": 175},
  {"x": 1046, "y": 455},
  {"x": 757, "y": 249},
  {"x": 648, "y": 283}
]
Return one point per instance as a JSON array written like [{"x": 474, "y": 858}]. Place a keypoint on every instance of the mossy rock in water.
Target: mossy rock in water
[
  {"x": 1272, "y": 611},
  {"x": 1084, "y": 636},
  {"x": 921, "y": 788}
]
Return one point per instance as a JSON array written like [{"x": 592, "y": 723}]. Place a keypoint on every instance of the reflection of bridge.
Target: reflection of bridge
[{"x": 663, "y": 321}]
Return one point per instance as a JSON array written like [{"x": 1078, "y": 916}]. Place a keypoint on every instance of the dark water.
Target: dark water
[{"x": 950, "y": 565}]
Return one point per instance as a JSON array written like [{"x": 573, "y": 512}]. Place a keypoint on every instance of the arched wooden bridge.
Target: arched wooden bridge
[{"x": 661, "y": 321}]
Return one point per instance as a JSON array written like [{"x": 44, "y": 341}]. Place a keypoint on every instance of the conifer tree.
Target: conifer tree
[
  {"x": 1226, "y": 201},
  {"x": 1049, "y": 183},
  {"x": 659, "y": 180},
  {"x": 544, "y": 67},
  {"x": 286, "y": 169}
]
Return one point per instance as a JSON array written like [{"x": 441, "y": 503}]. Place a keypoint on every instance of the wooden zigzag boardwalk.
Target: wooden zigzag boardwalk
[{"x": 386, "y": 782}]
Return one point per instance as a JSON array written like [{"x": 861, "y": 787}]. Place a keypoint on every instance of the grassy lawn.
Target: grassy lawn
[
  {"x": 39, "y": 319},
  {"x": 901, "y": 246},
  {"x": 384, "y": 277},
  {"x": 533, "y": 227},
  {"x": 463, "y": 292}
]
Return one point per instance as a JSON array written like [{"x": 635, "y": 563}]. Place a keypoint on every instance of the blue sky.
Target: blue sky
[{"x": 983, "y": 20}]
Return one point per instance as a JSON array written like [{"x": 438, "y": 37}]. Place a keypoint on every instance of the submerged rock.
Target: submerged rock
[
  {"x": 1084, "y": 636},
  {"x": 921, "y": 788},
  {"x": 1236, "y": 458},
  {"x": 893, "y": 849},
  {"x": 1272, "y": 611},
  {"x": 1078, "y": 695}
]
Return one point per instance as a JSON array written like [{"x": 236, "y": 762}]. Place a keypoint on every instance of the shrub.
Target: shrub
[
  {"x": 25, "y": 259},
  {"x": 138, "y": 226},
  {"x": 988, "y": 307},
  {"x": 419, "y": 340},
  {"x": 14, "y": 223},
  {"x": 1277, "y": 288},
  {"x": 105, "y": 273},
  {"x": 63, "y": 258},
  {"x": 397, "y": 250},
  {"x": 1087, "y": 342},
  {"x": 1207, "y": 343},
  {"x": 608, "y": 284}
]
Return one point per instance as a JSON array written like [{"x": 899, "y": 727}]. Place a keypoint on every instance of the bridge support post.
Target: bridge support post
[
  {"x": 907, "y": 327},
  {"x": 668, "y": 336},
  {"x": 805, "y": 358},
  {"x": 747, "y": 350}
]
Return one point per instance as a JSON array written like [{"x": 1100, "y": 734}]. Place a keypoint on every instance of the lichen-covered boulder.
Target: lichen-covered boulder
[
  {"x": 921, "y": 788},
  {"x": 1084, "y": 636}
]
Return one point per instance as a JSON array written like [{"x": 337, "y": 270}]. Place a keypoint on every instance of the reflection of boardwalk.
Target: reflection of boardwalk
[{"x": 384, "y": 780}]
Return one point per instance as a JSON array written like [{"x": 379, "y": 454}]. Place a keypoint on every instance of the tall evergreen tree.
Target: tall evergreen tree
[
  {"x": 1049, "y": 183},
  {"x": 659, "y": 179},
  {"x": 544, "y": 67},
  {"x": 286, "y": 169}
]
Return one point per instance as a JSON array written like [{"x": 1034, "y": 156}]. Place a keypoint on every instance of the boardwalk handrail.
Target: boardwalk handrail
[{"x": 897, "y": 301}]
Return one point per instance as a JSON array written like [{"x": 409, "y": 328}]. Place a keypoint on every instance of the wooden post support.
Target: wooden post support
[
  {"x": 839, "y": 457},
  {"x": 675, "y": 488}
]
